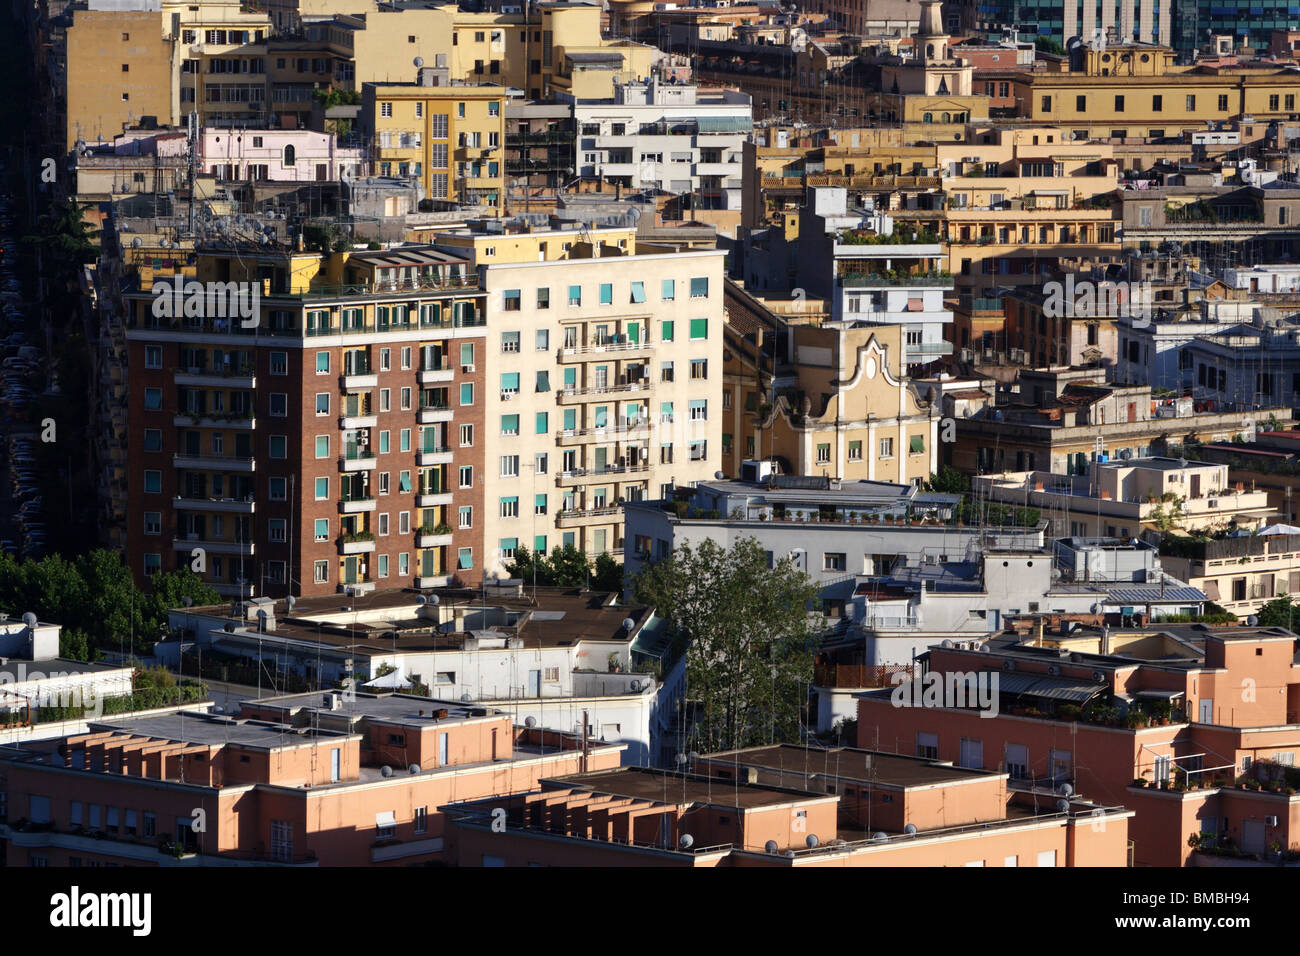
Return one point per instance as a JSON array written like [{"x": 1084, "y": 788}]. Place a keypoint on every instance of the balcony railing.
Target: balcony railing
[{"x": 937, "y": 278}]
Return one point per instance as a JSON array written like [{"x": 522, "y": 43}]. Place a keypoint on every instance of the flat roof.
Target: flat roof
[
  {"x": 196, "y": 727},
  {"x": 815, "y": 767},
  {"x": 17, "y": 670},
  {"x": 663, "y": 786},
  {"x": 407, "y": 709}
]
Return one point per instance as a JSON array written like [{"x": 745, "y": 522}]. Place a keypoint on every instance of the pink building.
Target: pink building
[{"x": 300, "y": 155}]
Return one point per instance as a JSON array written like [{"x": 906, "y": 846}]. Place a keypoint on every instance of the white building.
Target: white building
[
  {"x": 1153, "y": 350},
  {"x": 850, "y": 260},
  {"x": 277, "y": 155},
  {"x": 674, "y": 137},
  {"x": 1279, "y": 278}
]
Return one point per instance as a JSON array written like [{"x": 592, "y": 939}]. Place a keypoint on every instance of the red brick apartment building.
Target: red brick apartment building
[
  {"x": 1191, "y": 727},
  {"x": 329, "y": 444},
  {"x": 337, "y": 783},
  {"x": 788, "y": 806}
]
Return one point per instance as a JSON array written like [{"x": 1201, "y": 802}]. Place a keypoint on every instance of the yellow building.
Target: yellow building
[
  {"x": 449, "y": 137},
  {"x": 1135, "y": 90},
  {"x": 118, "y": 69},
  {"x": 842, "y": 407}
]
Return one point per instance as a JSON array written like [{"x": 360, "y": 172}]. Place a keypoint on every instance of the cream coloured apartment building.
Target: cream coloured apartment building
[{"x": 603, "y": 383}]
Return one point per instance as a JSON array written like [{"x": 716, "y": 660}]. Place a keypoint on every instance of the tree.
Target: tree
[
  {"x": 948, "y": 480},
  {"x": 114, "y": 611},
  {"x": 169, "y": 592},
  {"x": 1279, "y": 612},
  {"x": 607, "y": 574},
  {"x": 747, "y": 634},
  {"x": 569, "y": 567}
]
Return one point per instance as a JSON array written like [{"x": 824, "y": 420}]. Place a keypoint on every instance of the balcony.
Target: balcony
[
  {"x": 243, "y": 378},
  {"x": 576, "y": 396},
  {"x": 223, "y": 505},
  {"x": 434, "y": 413},
  {"x": 579, "y": 518},
  {"x": 358, "y": 421},
  {"x": 432, "y": 376},
  {"x": 433, "y": 537},
  {"x": 434, "y": 456},
  {"x": 357, "y": 503},
  {"x": 624, "y": 432},
  {"x": 935, "y": 279},
  {"x": 352, "y": 544},
  {"x": 353, "y": 380},
  {"x": 359, "y": 462},
  {"x": 211, "y": 546},
  {"x": 618, "y": 346},
  {"x": 433, "y": 499},
  {"x": 214, "y": 463},
  {"x": 585, "y": 476},
  {"x": 216, "y": 420}
]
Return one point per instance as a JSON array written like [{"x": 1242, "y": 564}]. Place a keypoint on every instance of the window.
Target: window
[
  {"x": 509, "y": 466},
  {"x": 153, "y": 398},
  {"x": 543, "y": 340},
  {"x": 665, "y": 331},
  {"x": 152, "y": 482},
  {"x": 542, "y": 423},
  {"x": 543, "y": 298},
  {"x": 575, "y": 295},
  {"x": 510, "y": 425},
  {"x": 279, "y": 446},
  {"x": 927, "y": 746},
  {"x": 699, "y": 290},
  {"x": 322, "y": 363},
  {"x": 699, "y": 412},
  {"x": 275, "y": 529},
  {"x": 886, "y": 448},
  {"x": 699, "y": 368},
  {"x": 322, "y": 488},
  {"x": 421, "y": 819},
  {"x": 322, "y": 529},
  {"x": 466, "y": 436},
  {"x": 1157, "y": 103},
  {"x": 276, "y": 489},
  {"x": 321, "y": 572},
  {"x": 510, "y": 341},
  {"x": 153, "y": 439},
  {"x": 153, "y": 522},
  {"x": 834, "y": 561},
  {"x": 464, "y": 559},
  {"x": 466, "y": 516},
  {"x": 824, "y": 454},
  {"x": 916, "y": 445},
  {"x": 510, "y": 507},
  {"x": 1223, "y": 103},
  {"x": 666, "y": 372},
  {"x": 669, "y": 290},
  {"x": 153, "y": 356},
  {"x": 322, "y": 446},
  {"x": 467, "y": 393},
  {"x": 855, "y": 451},
  {"x": 699, "y": 329},
  {"x": 539, "y": 504},
  {"x": 543, "y": 382},
  {"x": 467, "y": 476},
  {"x": 638, "y": 292},
  {"x": 606, "y": 293},
  {"x": 278, "y": 406}
]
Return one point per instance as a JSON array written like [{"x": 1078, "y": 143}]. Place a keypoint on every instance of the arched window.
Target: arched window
[
  {"x": 288, "y": 155},
  {"x": 929, "y": 50},
  {"x": 946, "y": 118},
  {"x": 929, "y": 118}
]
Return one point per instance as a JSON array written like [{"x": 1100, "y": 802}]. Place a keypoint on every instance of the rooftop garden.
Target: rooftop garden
[{"x": 903, "y": 235}]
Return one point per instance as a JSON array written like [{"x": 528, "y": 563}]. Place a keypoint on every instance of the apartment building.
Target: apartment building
[
  {"x": 603, "y": 381},
  {"x": 1154, "y": 719},
  {"x": 1062, "y": 419},
  {"x": 788, "y": 806},
  {"x": 1136, "y": 90},
  {"x": 832, "y": 530},
  {"x": 278, "y": 156},
  {"x": 450, "y": 138},
  {"x": 349, "y": 784},
  {"x": 1120, "y": 21},
  {"x": 310, "y": 450},
  {"x": 116, "y": 69},
  {"x": 1239, "y": 573},
  {"x": 1270, "y": 463},
  {"x": 1133, "y": 497},
  {"x": 673, "y": 137}
]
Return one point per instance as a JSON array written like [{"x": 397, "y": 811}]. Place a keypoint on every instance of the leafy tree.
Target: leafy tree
[
  {"x": 607, "y": 574},
  {"x": 114, "y": 610},
  {"x": 73, "y": 644},
  {"x": 1279, "y": 612},
  {"x": 747, "y": 634},
  {"x": 569, "y": 567},
  {"x": 948, "y": 480},
  {"x": 1048, "y": 45},
  {"x": 170, "y": 591}
]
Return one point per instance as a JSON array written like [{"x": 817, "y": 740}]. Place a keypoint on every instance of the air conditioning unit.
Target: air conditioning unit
[
  {"x": 1270, "y": 821},
  {"x": 1053, "y": 670},
  {"x": 467, "y": 368}
]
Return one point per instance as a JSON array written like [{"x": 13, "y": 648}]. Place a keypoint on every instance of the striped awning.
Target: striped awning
[{"x": 1048, "y": 688}]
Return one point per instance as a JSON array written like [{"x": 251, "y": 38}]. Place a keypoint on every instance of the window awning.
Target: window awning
[
  {"x": 1160, "y": 694},
  {"x": 385, "y": 819},
  {"x": 1048, "y": 688},
  {"x": 724, "y": 124}
]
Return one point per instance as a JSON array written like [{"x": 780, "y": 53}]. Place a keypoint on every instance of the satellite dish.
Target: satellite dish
[
  {"x": 946, "y": 644},
  {"x": 136, "y": 243},
  {"x": 290, "y": 601},
  {"x": 910, "y": 829},
  {"x": 686, "y": 842},
  {"x": 770, "y": 846},
  {"x": 1062, "y": 805},
  {"x": 1252, "y": 621},
  {"x": 812, "y": 842},
  {"x": 413, "y": 768},
  {"x": 386, "y": 771},
  {"x": 465, "y": 698},
  {"x": 798, "y": 40},
  {"x": 418, "y": 61},
  {"x": 628, "y": 624},
  {"x": 1065, "y": 790},
  {"x": 29, "y": 619},
  {"x": 530, "y": 721},
  {"x": 879, "y": 837},
  {"x": 187, "y": 601}
]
